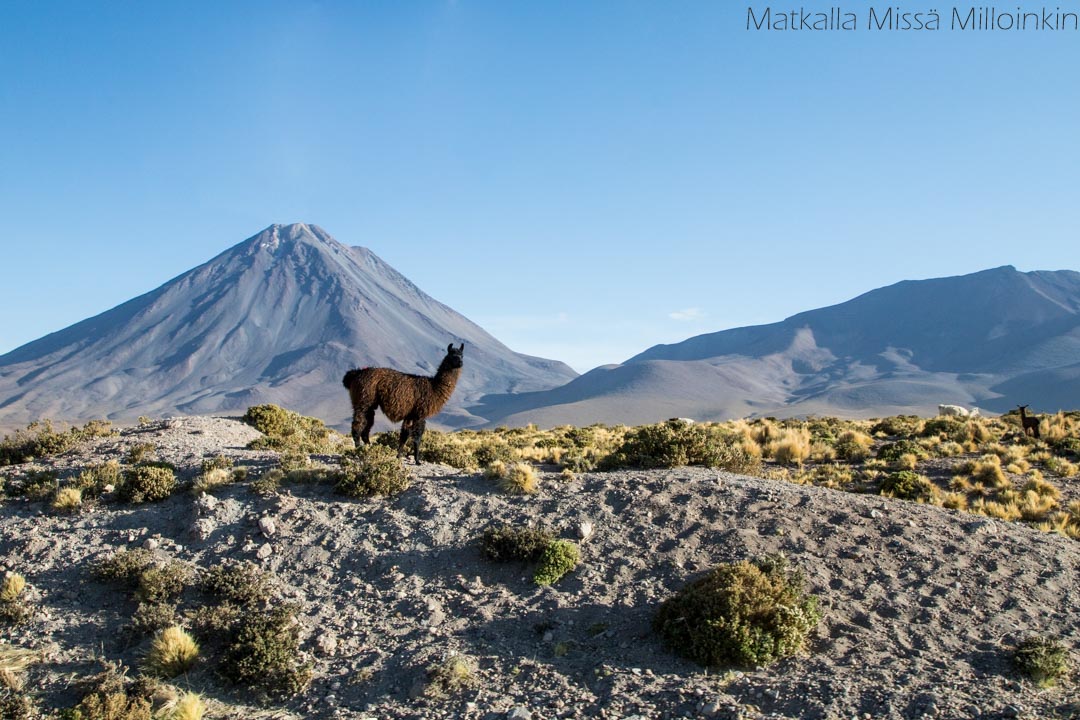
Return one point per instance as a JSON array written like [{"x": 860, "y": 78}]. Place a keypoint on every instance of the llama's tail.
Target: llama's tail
[{"x": 350, "y": 378}]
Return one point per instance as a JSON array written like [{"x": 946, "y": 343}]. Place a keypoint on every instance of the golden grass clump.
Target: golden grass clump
[
  {"x": 955, "y": 501},
  {"x": 211, "y": 479},
  {"x": 190, "y": 706},
  {"x": 68, "y": 500},
  {"x": 520, "y": 479},
  {"x": 173, "y": 652},
  {"x": 13, "y": 587},
  {"x": 496, "y": 470},
  {"x": 791, "y": 446}
]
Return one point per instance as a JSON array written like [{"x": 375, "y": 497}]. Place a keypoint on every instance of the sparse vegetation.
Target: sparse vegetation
[
  {"x": 68, "y": 500},
  {"x": 41, "y": 439},
  {"x": 243, "y": 584},
  {"x": 286, "y": 430},
  {"x": 147, "y": 483},
  {"x": 371, "y": 470},
  {"x": 13, "y": 607},
  {"x": 745, "y": 613},
  {"x": 509, "y": 542},
  {"x": 1044, "y": 660},
  {"x": 558, "y": 558},
  {"x": 449, "y": 677}
]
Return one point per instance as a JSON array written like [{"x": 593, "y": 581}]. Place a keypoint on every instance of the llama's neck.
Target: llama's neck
[
  {"x": 1023, "y": 415},
  {"x": 444, "y": 382}
]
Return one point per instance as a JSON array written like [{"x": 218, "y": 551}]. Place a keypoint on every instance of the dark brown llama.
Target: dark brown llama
[
  {"x": 410, "y": 399},
  {"x": 1028, "y": 423}
]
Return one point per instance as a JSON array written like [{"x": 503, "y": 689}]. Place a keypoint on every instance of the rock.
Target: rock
[
  {"x": 151, "y": 544},
  {"x": 585, "y": 530},
  {"x": 519, "y": 713},
  {"x": 875, "y": 514},
  {"x": 711, "y": 709},
  {"x": 108, "y": 489},
  {"x": 265, "y": 551},
  {"x": 549, "y": 636},
  {"x": 267, "y": 526},
  {"x": 327, "y": 643},
  {"x": 202, "y": 528}
]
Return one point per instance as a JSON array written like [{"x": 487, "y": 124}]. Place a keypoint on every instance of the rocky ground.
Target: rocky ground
[{"x": 921, "y": 605}]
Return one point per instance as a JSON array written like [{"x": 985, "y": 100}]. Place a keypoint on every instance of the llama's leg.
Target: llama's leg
[
  {"x": 365, "y": 426},
  {"x": 418, "y": 433},
  {"x": 404, "y": 437},
  {"x": 357, "y": 426}
]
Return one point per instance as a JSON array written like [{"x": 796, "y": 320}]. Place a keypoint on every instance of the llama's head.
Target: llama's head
[
  {"x": 453, "y": 360},
  {"x": 1022, "y": 407}
]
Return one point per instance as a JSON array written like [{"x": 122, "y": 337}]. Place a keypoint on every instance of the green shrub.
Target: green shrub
[
  {"x": 908, "y": 485},
  {"x": 124, "y": 566},
  {"x": 745, "y": 613},
  {"x": 263, "y": 650},
  {"x": 290, "y": 431},
  {"x": 93, "y": 480},
  {"x": 950, "y": 428},
  {"x": 898, "y": 426},
  {"x": 1044, "y": 660},
  {"x": 35, "y": 485},
  {"x": 147, "y": 483},
  {"x": 558, "y": 558},
  {"x": 891, "y": 452},
  {"x": 509, "y": 542},
  {"x": 446, "y": 449},
  {"x": 150, "y": 618},
  {"x": 371, "y": 470},
  {"x": 268, "y": 483},
  {"x": 140, "y": 452},
  {"x": 163, "y": 583},
  {"x": 675, "y": 443},
  {"x": 40, "y": 439},
  {"x": 242, "y": 583}
]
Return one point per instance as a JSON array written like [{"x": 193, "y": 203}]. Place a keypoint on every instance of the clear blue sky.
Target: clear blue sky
[{"x": 584, "y": 179}]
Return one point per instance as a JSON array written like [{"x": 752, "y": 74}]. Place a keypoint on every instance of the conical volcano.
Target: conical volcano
[{"x": 277, "y": 318}]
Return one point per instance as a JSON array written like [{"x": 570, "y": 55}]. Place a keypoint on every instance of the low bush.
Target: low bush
[
  {"x": 1043, "y": 660},
  {"x": 745, "y": 613},
  {"x": 40, "y": 439},
  {"x": 290, "y": 431},
  {"x": 908, "y": 485},
  {"x": 451, "y": 676},
  {"x": 510, "y": 542},
  {"x": 13, "y": 607},
  {"x": 558, "y": 558},
  {"x": 262, "y": 651},
  {"x": 242, "y": 583},
  {"x": 147, "y": 483},
  {"x": 894, "y": 451},
  {"x": 371, "y": 470}
]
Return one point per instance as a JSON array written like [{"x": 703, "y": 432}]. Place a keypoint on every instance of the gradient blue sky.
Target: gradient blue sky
[{"x": 584, "y": 179}]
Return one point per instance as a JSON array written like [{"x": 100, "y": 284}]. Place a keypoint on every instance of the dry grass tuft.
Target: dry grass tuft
[
  {"x": 172, "y": 653},
  {"x": 68, "y": 500},
  {"x": 520, "y": 479}
]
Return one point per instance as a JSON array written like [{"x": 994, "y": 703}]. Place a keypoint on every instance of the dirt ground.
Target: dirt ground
[{"x": 921, "y": 605}]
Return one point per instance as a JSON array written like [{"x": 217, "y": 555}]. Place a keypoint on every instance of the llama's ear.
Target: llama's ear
[
  {"x": 450, "y": 347},
  {"x": 461, "y": 348}
]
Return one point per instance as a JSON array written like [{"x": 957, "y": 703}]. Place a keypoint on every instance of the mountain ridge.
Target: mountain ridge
[
  {"x": 278, "y": 317},
  {"x": 989, "y": 338}
]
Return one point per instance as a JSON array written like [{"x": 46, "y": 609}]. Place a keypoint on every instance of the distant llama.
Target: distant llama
[
  {"x": 1028, "y": 423},
  {"x": 410, "y": 399},
  {"x": 957, "y": 411}
]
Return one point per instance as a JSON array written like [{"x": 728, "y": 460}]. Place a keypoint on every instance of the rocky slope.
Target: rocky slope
[
  {"x": 920, "y": 604},
  {"x": 278, "y": 318}
]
